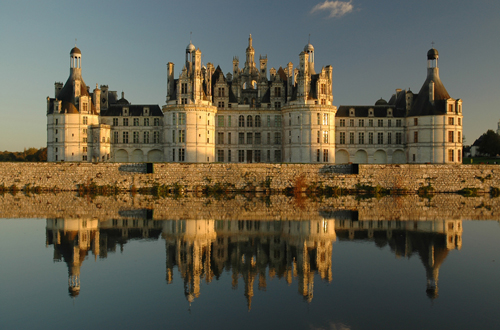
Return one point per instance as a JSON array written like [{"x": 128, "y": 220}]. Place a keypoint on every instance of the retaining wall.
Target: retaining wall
[{"x": 193, "y": 177}]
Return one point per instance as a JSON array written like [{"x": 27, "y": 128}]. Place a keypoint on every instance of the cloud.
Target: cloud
[{"x": 336, "y": 8}]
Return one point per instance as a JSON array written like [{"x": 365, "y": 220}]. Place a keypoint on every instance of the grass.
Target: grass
[{"x": 481, "y": 160}]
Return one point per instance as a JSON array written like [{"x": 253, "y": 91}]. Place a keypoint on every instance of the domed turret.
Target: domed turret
[
  {"x": 308, "y": 48},
  {"x": 432, "y": 54},
  {"x": 75, "y": 50},
  {"x": 190, "y": 47},
  {"x": 381, "y": 101}
]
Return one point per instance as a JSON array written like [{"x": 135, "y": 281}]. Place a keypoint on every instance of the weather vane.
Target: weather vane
[{"x": 190, "y": 35}]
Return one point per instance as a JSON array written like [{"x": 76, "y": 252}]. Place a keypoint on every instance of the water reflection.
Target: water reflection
[{"x": 251, "y": 251}]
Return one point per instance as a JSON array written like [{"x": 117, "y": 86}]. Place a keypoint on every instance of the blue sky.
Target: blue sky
[{"x": 373, "y": 46}]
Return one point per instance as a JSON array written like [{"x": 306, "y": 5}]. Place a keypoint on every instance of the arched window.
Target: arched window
[
  {"x": 249, "y": 121},
  {"x": 253, "y": 103},
  {"x": 245, "y": 101},
  {"x": 257, "y": 121},
  {"x": 241, "y": 121}
]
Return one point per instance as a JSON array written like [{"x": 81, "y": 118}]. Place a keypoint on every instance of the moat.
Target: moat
[{"x": 268, "y": 261}]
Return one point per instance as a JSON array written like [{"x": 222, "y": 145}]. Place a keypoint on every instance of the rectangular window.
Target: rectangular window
[
  {"x": 85, "y": 120},
  {"x": 450, "y": 107},
  {"x": 277, "y": 121},
  {"x": 220, "y": 137},
  {"x": 370, "y": 122},
  {"x": 415, "y": 137},
  {"x": 318, "y": 118},
  {"x": 268, "y": 156},
  {"x": 323, "y": 88},
  {"x": 342, "y": 138},
  {"x": 370, "y": 138},
  {"x": 318, "y": 138},
  {"x": 115, "y": 121},
  {"x": 257, "y": 138},
  {"x": 125, "y": 121},
  {"x": 325, "y": 136},
  {"x": 125, "y": 137},
  {"x": 351, "y": 138},
  {"x": 399, "y": 138},
  {"x": 136, "y": 137},
  {"x": 459, "y": 121},
  {"x": 115, "y": 137},
  {"x": 277, "y": 156},
  {"x": 156, "y": 137},
  {"x": 173, "y": 136},
  {"x": 361, "y": 123},
  {"x": 277, "y": 138},
  {"x": 325, "y": 156},
  {"x": 146, "y": 121},
  {"x": 361, "y": 138},
  {"x": 84, "y": 140},
  {"x": 389, "y": 138},
  {"x": 268, "y": 138},
  {"x": 277, "y": 91},
  {"x": 146, "y": 137},
  {"x": 182, "y": 119},
  {"x": 220, "y": 156},
  {"x": 220, "y": 121},
  {"x": 451, "y": 156},
  {"x": 228, "y": 121},
  {"x": 229, "y": 138},
  {"x": 182, "y": 136},
  {"x": 451, "y": 121},
  {"x": 184, "y": 88},
  {"x": 156, "y": 122},
  {"x": 174, "y": 119},
  {"x": 325, "y": 119},
  {"x": 173, "y": 155},
  {"x": 342, "y": 123},
  {"x": 249, "y": 138},
  {"x": 351, "y": 122},
  {"x": 415, "y": 121},
  {"x": 318, "y": 155},
  {"x": 398, "y": 122},
  {"x": 459, "y": 138},
  {"x": 241, "y": 138},
  {"x": 182, "y": 155},
  {"x": 451, "y": 136},
  {"x": 84, "y": 149},
  {"x": 380, "y": 138},
  {"x": 380, "y": 123},
  {"x": 268, "y": 121},
  {"x": 229, "y": 156},
  {"x": 257, "y": 156},
  {"x": 389, "y": 123},
  {"x": 241, "y": 156},
  {"x": 459, "y": 155},
  {"x": 136, "y": 121}
]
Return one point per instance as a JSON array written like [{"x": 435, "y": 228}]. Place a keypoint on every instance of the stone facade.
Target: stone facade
[{"x": 245, "y": 116}]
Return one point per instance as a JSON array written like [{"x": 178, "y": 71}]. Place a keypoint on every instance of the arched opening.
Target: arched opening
[
  {"x": 245, "y": 100},
  {"x": 254, "y": 84},
  {"x": 121, "y": 156},
  {"x": 398, "y": 157},
  {"x": 380, "y": 157},
  {"x": 360, "y": 157},
  {"x": 137, "y": 156},
  {"x": 341, "y": 157},
  {"x": 155, "y": 156},
  {"x": 253, "y": 103}
]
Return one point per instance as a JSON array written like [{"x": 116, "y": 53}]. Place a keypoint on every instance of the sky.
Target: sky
[{"x": 374, "y": 48}]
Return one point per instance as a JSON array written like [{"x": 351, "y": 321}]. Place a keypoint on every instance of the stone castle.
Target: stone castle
[{"x": 246, "y": 116}]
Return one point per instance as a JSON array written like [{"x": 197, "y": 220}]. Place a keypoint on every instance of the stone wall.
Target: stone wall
[
  {"x": 68, "y": 205},
  {"x": 194, "y": 177}
]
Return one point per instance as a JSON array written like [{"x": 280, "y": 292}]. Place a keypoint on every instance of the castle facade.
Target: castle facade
[{"x": 248, "y": 116}]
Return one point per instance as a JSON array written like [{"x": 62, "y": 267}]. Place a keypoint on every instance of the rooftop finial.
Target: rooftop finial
[
  {"x": 309, "y": 39},
  {"x": 432, "y": 43},
  {"x": 190, "y": 37},
  {"x": 75, "y": 42}
]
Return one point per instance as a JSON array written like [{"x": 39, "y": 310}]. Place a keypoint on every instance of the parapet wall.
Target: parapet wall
[{"x": 193, "y": 177}]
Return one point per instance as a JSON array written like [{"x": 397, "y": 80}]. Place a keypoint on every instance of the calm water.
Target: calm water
[{"x": 330, "y": 273}]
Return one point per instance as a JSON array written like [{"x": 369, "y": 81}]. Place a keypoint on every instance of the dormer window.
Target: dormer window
[
  {"x": 125, "y": 111},
  {"x": 389, "y": 113},
  {"x": 370, "y": 112},
  {"x": 351, "y": 112},
  {"x": 450, "y": 107},
  {"x": 146, "y": 111}
]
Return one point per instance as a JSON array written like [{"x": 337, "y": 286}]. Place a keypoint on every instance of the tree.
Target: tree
[{"x": 489, "y": 143}]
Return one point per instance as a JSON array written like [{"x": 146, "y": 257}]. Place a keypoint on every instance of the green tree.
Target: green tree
[{"x": 490, "y": 143}]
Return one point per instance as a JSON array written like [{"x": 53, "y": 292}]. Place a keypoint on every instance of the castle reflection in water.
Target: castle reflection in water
[{"x": 252, "y": 251}]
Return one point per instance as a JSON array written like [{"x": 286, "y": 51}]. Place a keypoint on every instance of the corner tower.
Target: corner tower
[
  {"x": 69, "y": 116},
  {"x": 434, "y": 122}
]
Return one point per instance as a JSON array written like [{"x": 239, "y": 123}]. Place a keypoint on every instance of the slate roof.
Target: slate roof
[
  {"x": 135, "y": 110},
  {"x": 69, "y": 102},
  {"x": 422, "y": 106},
  {"x": 379, "y": 111}
]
